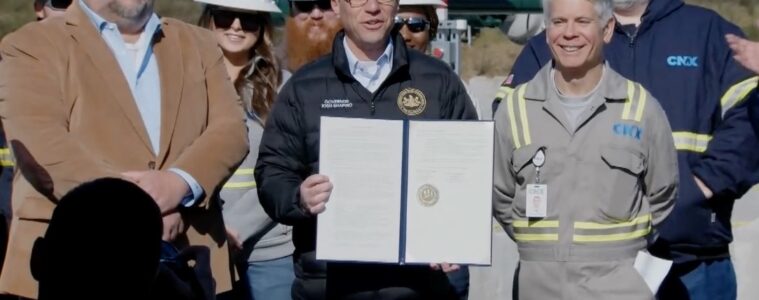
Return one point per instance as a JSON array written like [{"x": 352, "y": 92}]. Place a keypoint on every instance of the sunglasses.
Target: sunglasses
[
  {"x": 308, "y": 6},
  {"x": 58, "y": 4},
  {"x": 224, "y": 19},
  {"x": 413, "y": 24}
]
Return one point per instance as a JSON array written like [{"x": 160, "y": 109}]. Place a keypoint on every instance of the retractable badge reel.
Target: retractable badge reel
[{"x": 537, "y": 193}]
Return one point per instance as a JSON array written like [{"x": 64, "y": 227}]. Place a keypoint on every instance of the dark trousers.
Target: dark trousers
[
  {"x": 700, "y": 280},
  {"x": 3, "y": 247},
  {"x": 374, "y": 282}
]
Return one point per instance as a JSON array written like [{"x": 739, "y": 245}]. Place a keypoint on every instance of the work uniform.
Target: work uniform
[
  {"x": 679, "y": 53},
  {"x": 417, "y": 87},
  {"x": 609, "y": 178}
]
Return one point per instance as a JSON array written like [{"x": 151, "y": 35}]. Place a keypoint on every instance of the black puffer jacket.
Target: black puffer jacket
[{"x": 289, "y": 150}]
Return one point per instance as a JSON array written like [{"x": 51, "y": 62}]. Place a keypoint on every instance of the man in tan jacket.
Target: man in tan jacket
[{"x": 110, "y": 90}]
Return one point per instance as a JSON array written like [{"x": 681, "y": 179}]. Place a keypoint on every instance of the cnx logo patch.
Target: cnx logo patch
[
  {"x": 627, "y": 130},
  {"x": 682, "y": 61}
]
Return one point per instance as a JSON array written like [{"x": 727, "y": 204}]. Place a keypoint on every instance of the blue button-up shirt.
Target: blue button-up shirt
[
  {"x": 140, "y": 68},
  {"x": 371, "y": 74}
]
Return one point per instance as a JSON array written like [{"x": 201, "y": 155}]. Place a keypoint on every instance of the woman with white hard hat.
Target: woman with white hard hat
[
  {"x": 417, "y": 22},
  {"x": 262, "y": 248}
]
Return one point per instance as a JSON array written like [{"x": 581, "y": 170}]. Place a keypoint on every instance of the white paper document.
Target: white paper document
[
  {"x": 362, "y": 159},
  {"x": 406, "y": 191},
  {"x": 652, "y": 269}
]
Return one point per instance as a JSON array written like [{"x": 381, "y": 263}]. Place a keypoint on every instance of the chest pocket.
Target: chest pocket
[{"x": 624, "y": 183}]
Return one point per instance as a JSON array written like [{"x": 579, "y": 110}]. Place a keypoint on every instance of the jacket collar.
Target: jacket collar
[
  {"x": 168, "y": 54},
  {"x": 613, "y": 89},
  {"x": 340, "y": 57},
  {"x": 656, "y": 10}
]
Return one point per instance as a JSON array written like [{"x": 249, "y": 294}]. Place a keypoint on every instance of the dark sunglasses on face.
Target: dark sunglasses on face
[
  {"x": 224, "y": 18},
  {"x": 58, "y": 4},
  {"x": 413, "y": 24},
  {"x": 308, "y": 6}
]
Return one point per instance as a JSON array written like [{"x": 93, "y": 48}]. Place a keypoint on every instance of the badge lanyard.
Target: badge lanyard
[{"x": 536, "y": 198}]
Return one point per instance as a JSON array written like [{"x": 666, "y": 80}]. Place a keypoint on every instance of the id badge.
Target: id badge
[{"x": 537, "y": 200}]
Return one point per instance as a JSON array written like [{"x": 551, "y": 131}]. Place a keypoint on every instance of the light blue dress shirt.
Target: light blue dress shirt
[
  {"x": 140, "y": 68},
  {"x": 371, "y": 74}
]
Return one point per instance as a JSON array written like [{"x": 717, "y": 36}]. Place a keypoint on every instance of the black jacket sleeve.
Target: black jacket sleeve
[{"x": 281, "y": 166}]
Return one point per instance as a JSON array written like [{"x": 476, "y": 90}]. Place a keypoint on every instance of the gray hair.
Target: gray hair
[{"x": 604, "y": 8}]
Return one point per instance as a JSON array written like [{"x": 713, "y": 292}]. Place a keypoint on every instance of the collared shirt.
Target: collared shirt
[
  {"x": 371, "y": 74},
  {"x": 140, "y": 68}
]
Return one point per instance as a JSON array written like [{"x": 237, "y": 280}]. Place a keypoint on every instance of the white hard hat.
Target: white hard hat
[
  {"x": 423, "y": 2},
  {"x": 252, "y": 5}
]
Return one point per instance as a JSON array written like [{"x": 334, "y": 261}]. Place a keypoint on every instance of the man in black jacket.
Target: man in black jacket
[{"x": 369, "y": 70}]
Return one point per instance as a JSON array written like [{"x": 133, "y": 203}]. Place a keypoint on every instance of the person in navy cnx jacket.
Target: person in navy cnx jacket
[{"x": 678, "y": 52}]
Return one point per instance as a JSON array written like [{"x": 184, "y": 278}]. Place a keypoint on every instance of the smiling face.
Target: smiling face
[
  {"x": 418, "y": 40},
  {"x": 367, "y": 26},
  {"x": 576, "y": 34},
  {"x": 235, "y": 39}
]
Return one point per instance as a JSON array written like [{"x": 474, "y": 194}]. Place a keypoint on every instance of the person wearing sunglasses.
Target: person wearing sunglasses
[
  {"x": 369, "y": 74},
  {"x": 262, "y": 248},
  {"x": 50, "y": 8},
  {"x": 309, "y": 30},
  {"x": 417, "y": 22}
]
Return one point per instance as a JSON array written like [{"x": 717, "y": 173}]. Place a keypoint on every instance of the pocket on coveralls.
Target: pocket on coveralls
[{"x": 626, "y": 167}]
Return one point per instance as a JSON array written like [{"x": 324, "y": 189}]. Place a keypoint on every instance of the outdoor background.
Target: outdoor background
[{"x": 491, "y": 53}]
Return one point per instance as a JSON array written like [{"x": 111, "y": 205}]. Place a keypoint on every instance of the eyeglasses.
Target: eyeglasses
[
  {"x": 413, "y": 24},
  {"x": 58, "y": 4},
  {"x": 359, "y": 3},
  {"x": 224, "y": 19},
  {"x": 308, "y": 6}
]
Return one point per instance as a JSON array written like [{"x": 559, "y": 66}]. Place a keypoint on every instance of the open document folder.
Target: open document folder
[{"x": 406, "y": 191}]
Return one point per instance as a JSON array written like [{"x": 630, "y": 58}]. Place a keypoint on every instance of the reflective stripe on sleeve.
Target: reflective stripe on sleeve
[
  {"x": 241, "y": 179},
  {"x": 6, "y": 159},
  {"x": 736, "y": 93},
  {"x": 691, "y": 141}
]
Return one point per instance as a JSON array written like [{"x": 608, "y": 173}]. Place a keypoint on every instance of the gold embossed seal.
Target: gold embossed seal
[{"x": 427, "y": 195}]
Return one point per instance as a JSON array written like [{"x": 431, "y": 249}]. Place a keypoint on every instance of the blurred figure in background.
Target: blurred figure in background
[
  {"x": 50, "y": 8},
  {"x": 263, "y": 248},
  {"x": 311, "y": 26},
  {"x": 417, "y": 22}
]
